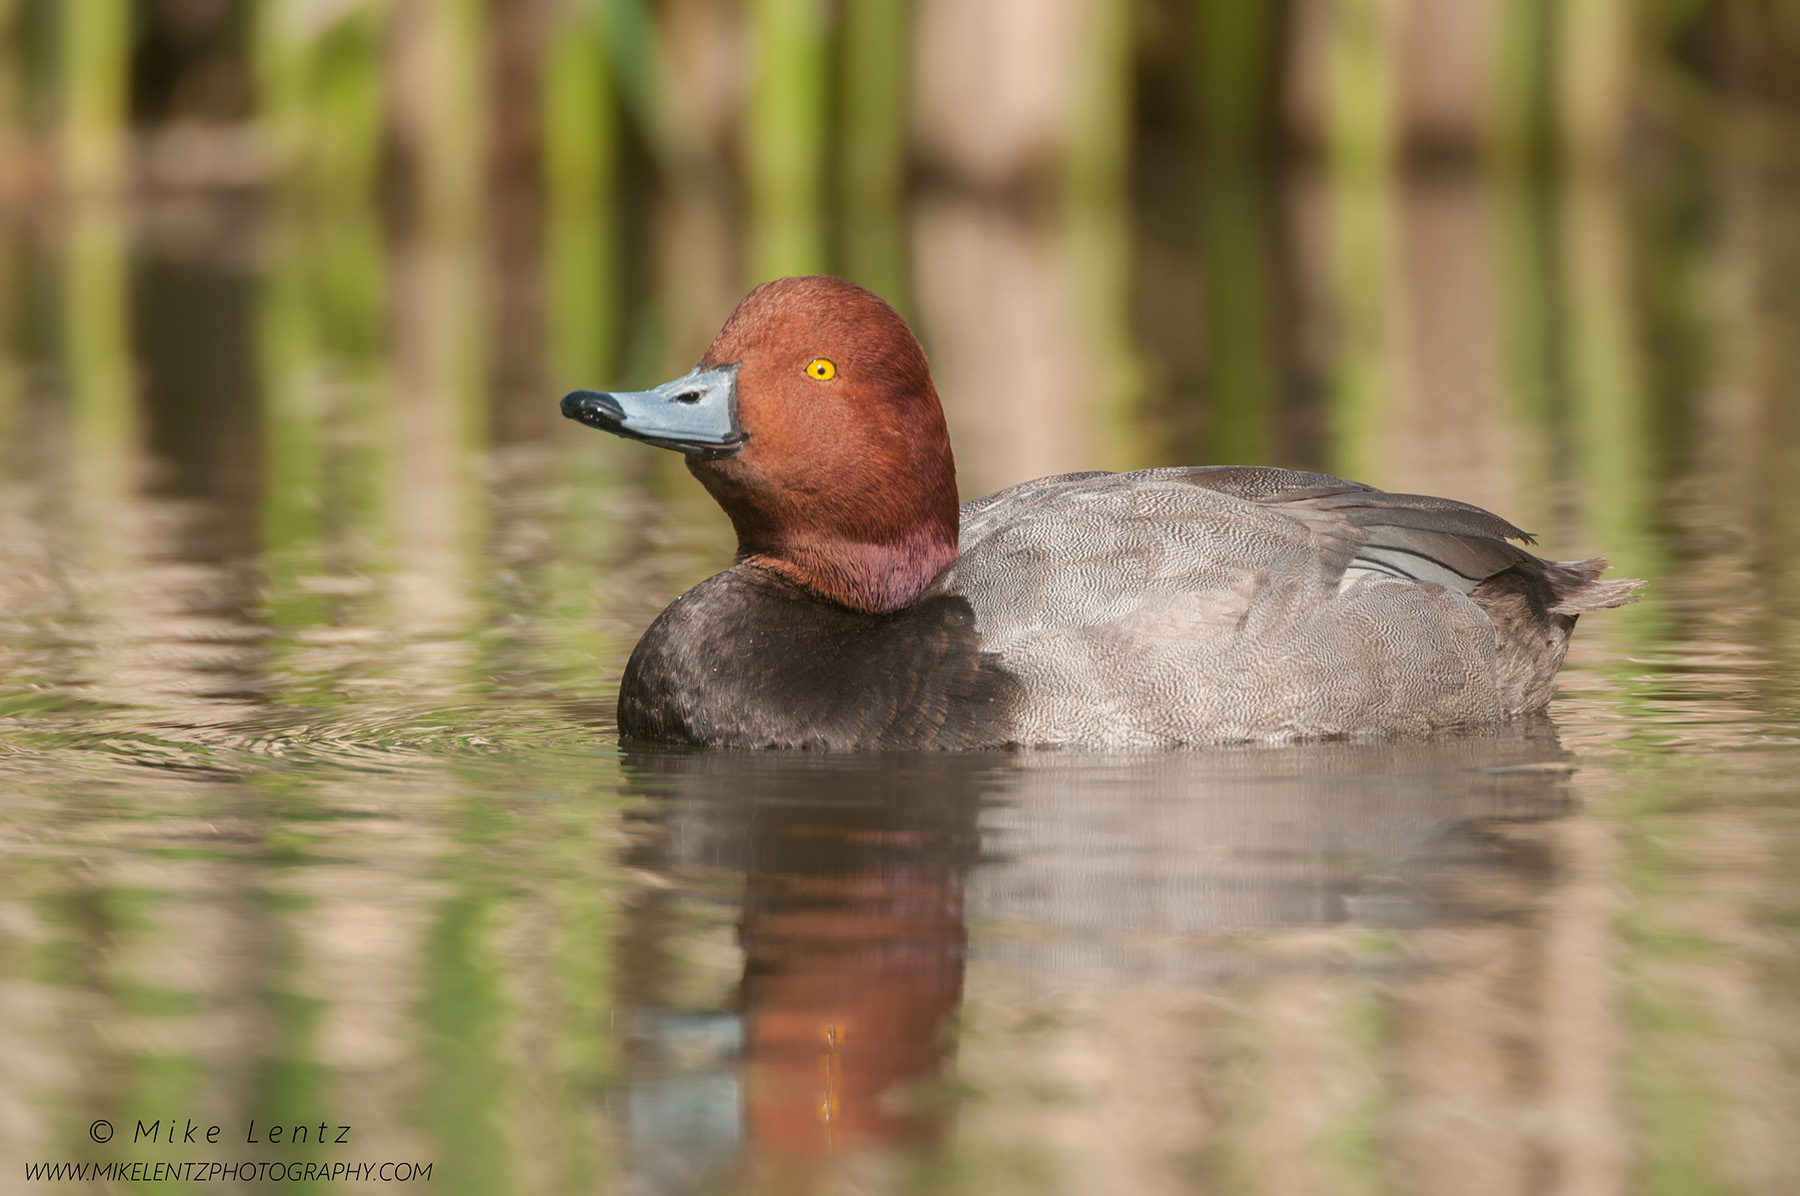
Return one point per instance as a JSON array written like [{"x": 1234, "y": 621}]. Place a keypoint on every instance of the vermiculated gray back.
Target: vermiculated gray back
[{"x": 1212, "y": 605}]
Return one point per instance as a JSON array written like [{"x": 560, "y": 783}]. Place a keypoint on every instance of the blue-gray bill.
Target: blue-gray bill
[{"x": 696, "y": 413}]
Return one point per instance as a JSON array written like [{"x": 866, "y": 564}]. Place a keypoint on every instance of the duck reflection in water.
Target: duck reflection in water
[
  {"x": 853, "y": 966},
  {"x": 852, "y": 933},
  {"x": 859, "y": 874}
]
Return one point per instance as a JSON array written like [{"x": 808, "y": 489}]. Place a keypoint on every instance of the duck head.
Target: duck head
[{"x": 813, "y": 421}]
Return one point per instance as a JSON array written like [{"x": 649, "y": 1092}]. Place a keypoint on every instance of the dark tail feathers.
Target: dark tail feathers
[{"x": 1576, "y": 588}]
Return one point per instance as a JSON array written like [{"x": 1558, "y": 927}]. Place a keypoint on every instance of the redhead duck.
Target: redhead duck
[{"x": 1195, "y": 605}]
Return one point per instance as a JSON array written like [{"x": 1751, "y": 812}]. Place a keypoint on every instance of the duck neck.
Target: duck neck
[
  {"x": 874, "y": 554},
  {"x": 872, "y": 577}
]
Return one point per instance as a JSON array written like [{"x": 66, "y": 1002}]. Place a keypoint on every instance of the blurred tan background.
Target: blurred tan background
[{"x": 1129, "y": 233}]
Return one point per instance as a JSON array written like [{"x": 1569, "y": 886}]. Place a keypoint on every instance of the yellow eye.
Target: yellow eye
[{"x": 821, "y": 369}]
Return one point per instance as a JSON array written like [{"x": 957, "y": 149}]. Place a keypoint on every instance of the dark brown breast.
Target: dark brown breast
[{"x": 748, "y": 659}]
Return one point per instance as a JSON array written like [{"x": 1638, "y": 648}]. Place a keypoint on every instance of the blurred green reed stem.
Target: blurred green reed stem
[
  {"x": 1523, "y": 114},
  {"x": 580, "y": 165},
  {"x": 464, "y": 1016},
  {"x": 294, "y": 472},
  {"x": 1097, "y": 220},
  {"x": 328, "y": 493},
  {"x": 1239, "y": 206},
  {"x": 787, "y": 137},
  {"x": 1521, "y": 137},
  {"x": 1678, "y": 1058},
  {"x": 1360, "y": 155},
  {"x": 1612, "y": 436},
  {"x": 289, "y": 1086},
  {"x": 281, "y": 65},
  {"x": 527, "y": 938},
  {"x": 1100, "y": 133},
  {"x": 341, "y": 259},
  {"x": 638, "y": 64},
  {"x": 1352, "y": 1142},
  {"x": 113, "y": 930},
  {"x": 96, "y": 355},
  {"x": 1234, "y": 82},
  {"x": 580, "y": 886},
  {"x": 1235, "y": 67},
  {"x": 1532, "y": 340},
  {"x": 511, "y": 945},
  {"x": 1593, "y": 60},
  {"x": 95, "y": 72},
  {"x": 1360, "y": 103},
  {"x": 1362, "y": 240},
  {"x": 13, "y": 68},
  {"x": 874, "y": 81},
  {"x": 584, "y": 1055},
  {"x": 319, "y": 94}
]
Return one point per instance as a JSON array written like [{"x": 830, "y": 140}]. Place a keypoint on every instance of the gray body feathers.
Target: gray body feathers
[{"x": 1207, "y": 605}]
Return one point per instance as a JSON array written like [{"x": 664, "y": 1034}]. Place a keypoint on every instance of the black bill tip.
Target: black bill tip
[{"x": 594, "y": 408}]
